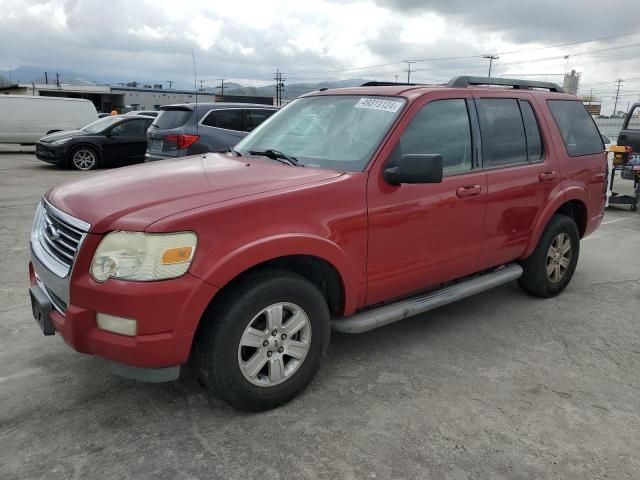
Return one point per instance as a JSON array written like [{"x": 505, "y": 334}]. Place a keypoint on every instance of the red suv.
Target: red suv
[{"x": 348, "y": 209}]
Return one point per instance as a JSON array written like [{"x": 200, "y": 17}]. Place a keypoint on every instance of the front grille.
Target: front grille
[{"x": 59, "y": 238}]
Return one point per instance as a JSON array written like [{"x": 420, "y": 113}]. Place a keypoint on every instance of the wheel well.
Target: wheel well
[
  {"x": 315, "y": 269},
  {"x": 576, "y": 210}
]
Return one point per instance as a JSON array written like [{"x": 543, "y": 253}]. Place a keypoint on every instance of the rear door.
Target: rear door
[
  {"x": 521, "y": 172},
  {"x": 630, "y": 133},
  {"x": 222, "y": 128}
]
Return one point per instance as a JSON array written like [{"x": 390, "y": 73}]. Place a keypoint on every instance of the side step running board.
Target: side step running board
[{"x": 387, "y": 314}]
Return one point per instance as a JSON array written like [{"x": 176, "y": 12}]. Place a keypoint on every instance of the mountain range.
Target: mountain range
[{"x": 29, "y": 74}]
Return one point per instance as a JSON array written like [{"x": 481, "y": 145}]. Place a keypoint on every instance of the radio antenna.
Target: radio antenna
[{"x": 195, "y": 87}]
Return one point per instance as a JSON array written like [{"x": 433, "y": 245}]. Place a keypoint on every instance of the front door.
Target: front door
[
  {"x": 127, "y": 141},
  {"x": 421, "y": 235}
]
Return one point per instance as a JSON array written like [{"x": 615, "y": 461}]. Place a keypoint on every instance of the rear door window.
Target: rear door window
[
  {"x": 254, "y": 117},
  {"x": 503, "y": 135},
  {"x": 578, "y": 130},
  {"x": 169, "y": 119},
  {"x": 227, "y": 119}
]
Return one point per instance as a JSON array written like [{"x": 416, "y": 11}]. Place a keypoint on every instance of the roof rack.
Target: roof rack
[
  {"x": 465, "y": 81},
  {"x": 387, "y": 84}
]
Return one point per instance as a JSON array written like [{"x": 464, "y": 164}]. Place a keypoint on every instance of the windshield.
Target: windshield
[
  {"x": 339, "y": 132},
  {"x": 101, "y": 124}
]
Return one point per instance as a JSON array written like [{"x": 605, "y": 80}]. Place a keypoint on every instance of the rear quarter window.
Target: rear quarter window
[
  {"x": 169, "y": 119},
  {"x": 578, "y": 130}
]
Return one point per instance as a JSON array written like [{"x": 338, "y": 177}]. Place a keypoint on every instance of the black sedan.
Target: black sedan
[{"x": 111, "y": 141}]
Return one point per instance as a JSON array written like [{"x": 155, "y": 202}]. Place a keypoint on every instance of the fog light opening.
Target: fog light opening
[{"x": 119, "y": 325}]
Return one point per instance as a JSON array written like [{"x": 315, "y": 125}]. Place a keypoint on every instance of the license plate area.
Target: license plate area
[{"x": 41, "y": 308}]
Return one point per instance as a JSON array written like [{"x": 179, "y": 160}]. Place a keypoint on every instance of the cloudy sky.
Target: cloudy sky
[{"x": 312, "y": 40}]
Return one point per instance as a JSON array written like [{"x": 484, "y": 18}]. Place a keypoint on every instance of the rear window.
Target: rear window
[
  {"x": 169, "y": 119},
  {"x": 578, "y": 130}
]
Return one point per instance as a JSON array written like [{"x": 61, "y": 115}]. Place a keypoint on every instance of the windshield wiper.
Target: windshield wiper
[
  {"x": 235, "y": 152},
  {"x": 276, "y": 155}
]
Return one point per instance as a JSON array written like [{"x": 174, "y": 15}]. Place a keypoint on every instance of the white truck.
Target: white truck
[{"x": 25, "y": 119}]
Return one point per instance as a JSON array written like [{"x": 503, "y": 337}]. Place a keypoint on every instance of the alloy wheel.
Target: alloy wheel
[
  {"x": 84, "y": 159},
  {"x": 274, "y": 344},
  {"x": 559, "y": 257}
]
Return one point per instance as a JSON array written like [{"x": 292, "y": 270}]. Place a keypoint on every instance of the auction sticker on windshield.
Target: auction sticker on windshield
[{"x": 377, "y": 104}]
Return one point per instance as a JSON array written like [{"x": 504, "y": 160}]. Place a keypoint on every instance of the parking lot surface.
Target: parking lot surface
[{"x": 498, "y": 386}]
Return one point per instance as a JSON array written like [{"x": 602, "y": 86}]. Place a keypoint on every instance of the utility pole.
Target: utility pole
[
  {"x": 201, "y": 83},
  {"x": 221, "y": 87},
  {"x": 279, "y": 87},
  {"x": 491, "y": 58},
  {"x": 396, "y": 78},
  {"x": 170, "y": 82},
  {"x": 615, "y": 105},
  {"x": 408, "y": 70},
  {"x": 58, "y": 79},
  {"x": 46, "y": 79}
]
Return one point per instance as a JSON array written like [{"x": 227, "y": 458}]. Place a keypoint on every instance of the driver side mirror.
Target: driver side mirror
[{"x": 415, "y": 168}]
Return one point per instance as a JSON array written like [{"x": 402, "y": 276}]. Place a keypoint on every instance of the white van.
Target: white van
[{"x": 25, "y": 119}]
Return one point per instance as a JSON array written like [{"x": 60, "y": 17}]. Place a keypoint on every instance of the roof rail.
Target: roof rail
[
  {"x": 465, "y": 81},
  {"x": 386, "y": 84}
]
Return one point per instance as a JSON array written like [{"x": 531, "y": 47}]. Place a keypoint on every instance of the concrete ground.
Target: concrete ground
[{"x": 499, "y": 386}]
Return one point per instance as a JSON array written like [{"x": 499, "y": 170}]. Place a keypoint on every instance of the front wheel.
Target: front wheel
[
  {"x": 261, "y": 343},
  {"x": 83, "y": 158},
  {"x": 549, "y": 269}
]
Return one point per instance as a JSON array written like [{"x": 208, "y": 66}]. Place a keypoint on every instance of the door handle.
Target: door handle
[
  {"x": 547, "y": 176},
  {"x": 468, "y": 191}
]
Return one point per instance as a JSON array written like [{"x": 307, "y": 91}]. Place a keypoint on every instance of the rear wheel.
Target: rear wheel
[
  {"x": 549, "y": 269},
  {"x": 261, "y": 343},
  {"x": 83, "y": 158}
]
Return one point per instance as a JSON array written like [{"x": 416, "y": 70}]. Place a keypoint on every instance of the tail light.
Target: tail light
[{"x": 179, "y": 141}]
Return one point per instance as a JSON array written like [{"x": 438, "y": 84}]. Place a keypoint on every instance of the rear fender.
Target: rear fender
[{"x": 563, "y": 193}]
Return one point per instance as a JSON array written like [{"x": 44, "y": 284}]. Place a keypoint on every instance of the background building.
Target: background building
[{"x": 124, "y": 98}]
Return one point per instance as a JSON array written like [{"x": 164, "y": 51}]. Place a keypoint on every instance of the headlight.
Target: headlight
[
  {"x": 143, "y": 256},
  {"x": 61, "y": 141}
]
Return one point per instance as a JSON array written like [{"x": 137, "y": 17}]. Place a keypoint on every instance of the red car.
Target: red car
[{"x": 348, "y": 209}]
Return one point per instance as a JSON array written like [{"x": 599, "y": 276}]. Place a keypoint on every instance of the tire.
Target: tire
[
  {"x": 548, "y": 270},
  {"x": 236, "y": 373},
  {"x": 83, "y": 158}
]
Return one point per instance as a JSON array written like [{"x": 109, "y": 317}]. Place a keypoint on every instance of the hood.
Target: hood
[
  {"x": 132, "y": 198},
  {"x": 60, "y": 135}
]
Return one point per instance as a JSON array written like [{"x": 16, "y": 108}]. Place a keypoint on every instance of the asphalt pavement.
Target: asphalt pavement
[{"x": 498, "y": 386}]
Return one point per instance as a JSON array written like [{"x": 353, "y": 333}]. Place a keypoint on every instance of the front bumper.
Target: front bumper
[
  {"x": 167, "y": 314},
  {"x": 51, "y": 154}
]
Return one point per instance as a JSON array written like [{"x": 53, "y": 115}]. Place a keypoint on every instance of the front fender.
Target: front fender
[
  {"x": 226, "y": 268},
  {"x": 564, "y": 192}
]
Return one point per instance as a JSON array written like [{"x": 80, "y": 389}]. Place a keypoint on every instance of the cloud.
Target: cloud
[{"x": 151, "y": 40}]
